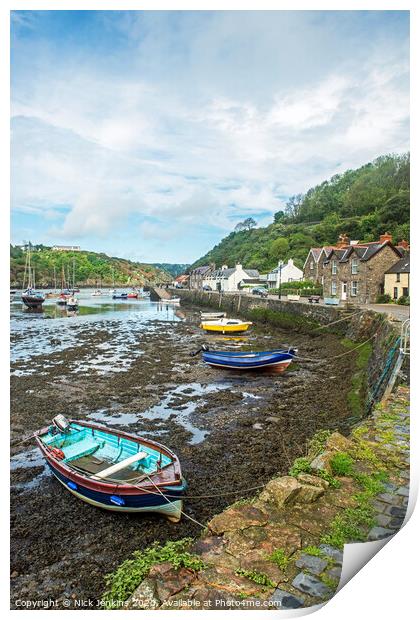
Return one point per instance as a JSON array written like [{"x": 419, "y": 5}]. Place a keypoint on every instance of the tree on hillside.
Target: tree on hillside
[
  {"x": 278, "y": 248},
  {"x": 247, "y": 224}
]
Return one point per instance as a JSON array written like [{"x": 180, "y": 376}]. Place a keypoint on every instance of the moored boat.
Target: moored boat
[
  {"x": 72, "y": 303},
  {"x": 116, "y": 295},
  {"x": 113, "y": 470},
  {"x": 225, "y": 325},
  {"x": 278, "y": 359},
  {"x": 32, "y": 298},
  {"x": 172, "y": 300},
  {"x": 132, "y": 295},
  {"x": 96, "y": 293},
  {"x": 212, "y": 316},
  {"x": 62, "y": 299}
]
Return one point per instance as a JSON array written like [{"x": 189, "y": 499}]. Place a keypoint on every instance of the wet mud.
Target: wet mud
[{"x": 231, "y": 431}]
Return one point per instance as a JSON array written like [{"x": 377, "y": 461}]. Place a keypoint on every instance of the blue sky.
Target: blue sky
[{"x": 149, "y": 135}]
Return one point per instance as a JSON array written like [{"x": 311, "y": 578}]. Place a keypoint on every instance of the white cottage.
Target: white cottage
[
  {"x": 229, "y": 279},
  {"x": 284, "y": 272}
]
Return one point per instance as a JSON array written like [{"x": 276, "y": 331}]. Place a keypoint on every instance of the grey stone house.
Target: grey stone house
[
  {"x": 355, "y": 272},
  {"x": 198, "y": 274},
  {"x": 314, "y": 263}
]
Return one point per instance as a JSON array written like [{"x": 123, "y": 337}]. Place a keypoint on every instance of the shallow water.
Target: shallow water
[{"x": 55, "y": 329}]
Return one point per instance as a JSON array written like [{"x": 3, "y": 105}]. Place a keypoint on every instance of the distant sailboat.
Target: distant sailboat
[
  {"x": 65, "y": 293},
  {"x": 30, "y": 297}
]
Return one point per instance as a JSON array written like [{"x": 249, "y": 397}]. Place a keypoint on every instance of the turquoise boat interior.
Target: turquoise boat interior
[{"x": 92, "y": 450}]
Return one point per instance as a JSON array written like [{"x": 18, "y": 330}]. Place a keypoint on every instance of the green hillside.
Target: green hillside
[
  {"x": 90, "y": 268},
  {"x": 175, "y": 269},
  {"x": 362, "y": 203}
]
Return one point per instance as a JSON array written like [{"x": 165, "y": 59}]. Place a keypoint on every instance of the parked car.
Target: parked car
[
  {"x": 206, "y": 287},
  {"x": 261, "y": 292}
]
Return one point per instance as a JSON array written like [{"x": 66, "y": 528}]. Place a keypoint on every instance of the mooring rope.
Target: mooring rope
[
  {"x": 334, "y": 357},
  {"x": 346, "y": 318}
]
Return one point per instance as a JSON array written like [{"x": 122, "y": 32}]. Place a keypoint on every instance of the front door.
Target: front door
[{"x": 344, "y": 291}]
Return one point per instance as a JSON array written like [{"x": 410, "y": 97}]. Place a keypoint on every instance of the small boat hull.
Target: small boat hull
[
  {"x": 277, "y": 360},
  {"x": 225, "y": 326},
  {"x": 212, "y": 316},
  {"x": 33, "y": 301},
  {"x": 91, "y": 462},
  {"x": 134, "y": 503}
]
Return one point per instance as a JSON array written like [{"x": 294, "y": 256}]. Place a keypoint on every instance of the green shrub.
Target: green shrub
[
  {"x": 131, "y": 573},
  {"x": 300, "y": 465},
  {"x": 280, "y": 558},
  {"x": 317, "y": 443},
  {"x": 383, "y": 299},
  {"x": 341, "y": 464},
  {"x": 403, "y": 301},
  {"x": 259, "y": 578}
]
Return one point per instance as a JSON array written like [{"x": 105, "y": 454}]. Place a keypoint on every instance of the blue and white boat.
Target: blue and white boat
[
  {"x": 278, "y": 359},
  {"x": 113, "y": 470}
]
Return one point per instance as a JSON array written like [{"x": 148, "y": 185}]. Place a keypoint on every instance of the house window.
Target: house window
[
  {"x": 398, "y": 278},
  {"x": 333, "y": 287},
  {"x": 405, "y": 291},
  {"x": 354, "y": 266},
  {"x": 334, "y": 267},
  {"x": 395, "y": 292},
  {"x": 354, "y": 289},
  {"x": 311, "y": 264}
]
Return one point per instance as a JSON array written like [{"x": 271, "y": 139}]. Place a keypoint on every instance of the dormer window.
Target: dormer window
[
  {"x": 311, "y": 264},
  {"x": 333, "y": 267},
  {"x": 354, "y": 266}
]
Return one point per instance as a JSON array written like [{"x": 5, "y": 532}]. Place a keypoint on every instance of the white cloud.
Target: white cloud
[{"x": 202, "y": 124}]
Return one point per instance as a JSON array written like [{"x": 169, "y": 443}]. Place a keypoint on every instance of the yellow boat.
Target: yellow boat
[{"x": 225, "y": 326}]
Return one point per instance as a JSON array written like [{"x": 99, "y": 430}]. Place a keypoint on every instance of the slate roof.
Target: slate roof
[
  {"x": 200, "y": 270},
  {"x": 402, "y": 266},
  {"x": 363, "y": 251},
  {"x": 222, "y": 273},
  {"x": 252, "y": 273}
]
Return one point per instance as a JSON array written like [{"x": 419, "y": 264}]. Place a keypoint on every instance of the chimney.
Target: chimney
[
  {"x": 290, "y": 262},
  {"x": 238, "y": 266},
  {"x": 403, "y": 244},
  {"x": 343, "y": 241},
  {"x": 224, "y": 267},
  {"x": 385, "y": 237}
]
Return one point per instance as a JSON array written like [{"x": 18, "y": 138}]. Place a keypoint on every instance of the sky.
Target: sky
[{"x": 150, "y": 135}]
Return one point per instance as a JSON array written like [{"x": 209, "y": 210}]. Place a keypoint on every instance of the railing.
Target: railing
[{"x": 405, "y": 338}]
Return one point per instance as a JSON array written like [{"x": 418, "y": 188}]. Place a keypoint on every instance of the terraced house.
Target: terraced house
[{"x": 354, "y": 271}]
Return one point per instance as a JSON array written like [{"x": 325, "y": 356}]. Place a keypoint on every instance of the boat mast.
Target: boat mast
[
  {"x": 25, "y": 272},
  {"x": 55, "y": 281},
  {"x": 29, "y": 266},
  {"x": 73, "y": 274}
]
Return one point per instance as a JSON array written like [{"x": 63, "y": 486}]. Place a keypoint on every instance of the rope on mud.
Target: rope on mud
[
  {"x": 346, "y": 318},
  {"x": 334, "y": 357}
]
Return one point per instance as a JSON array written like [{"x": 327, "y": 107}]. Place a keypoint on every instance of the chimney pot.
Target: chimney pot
[
  {"x": 385, "y": 237},
  {"x": 343, "y": 241}
]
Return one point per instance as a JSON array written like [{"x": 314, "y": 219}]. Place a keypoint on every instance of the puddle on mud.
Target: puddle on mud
[
  {"x": 23, "y": 463},
  {"x": 170, "y": 406}
]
